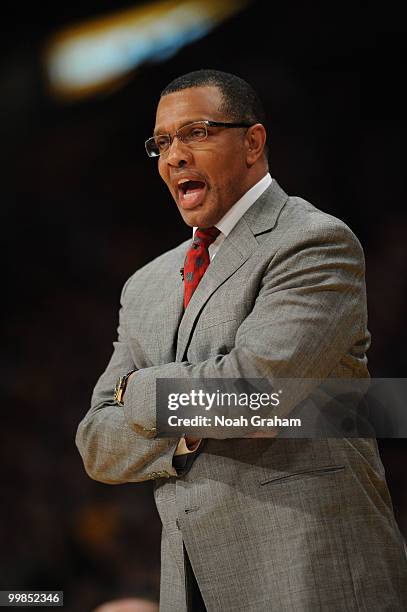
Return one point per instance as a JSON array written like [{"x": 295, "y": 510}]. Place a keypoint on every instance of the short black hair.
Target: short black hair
[{"x": 240, "y": 102}]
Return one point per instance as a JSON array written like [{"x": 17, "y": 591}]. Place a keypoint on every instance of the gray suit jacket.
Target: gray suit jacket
[{"x": 269, "y": 524}]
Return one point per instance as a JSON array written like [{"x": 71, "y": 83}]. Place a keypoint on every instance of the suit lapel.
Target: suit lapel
[{"x": 236, "y": 249}]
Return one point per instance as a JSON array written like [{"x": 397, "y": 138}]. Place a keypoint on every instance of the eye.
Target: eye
[
  {"x": 194, "y": 132},
  {"x": 198, "y": 132},
  {"x": 161, "y": 142}
]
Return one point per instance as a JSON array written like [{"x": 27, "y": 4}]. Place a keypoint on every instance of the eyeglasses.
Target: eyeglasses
[{"x": 188, "y": 134}]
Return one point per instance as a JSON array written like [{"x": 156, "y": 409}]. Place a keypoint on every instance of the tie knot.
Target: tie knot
[{"x": 206, "y": 236}]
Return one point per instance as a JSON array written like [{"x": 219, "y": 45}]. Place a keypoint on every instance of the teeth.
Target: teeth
[{"x": 183, "y": 181}]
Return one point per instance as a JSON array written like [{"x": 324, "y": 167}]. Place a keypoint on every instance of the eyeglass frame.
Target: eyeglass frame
[{"x": 207, "y": 124}]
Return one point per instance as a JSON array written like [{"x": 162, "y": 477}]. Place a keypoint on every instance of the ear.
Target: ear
[{"x": 254, "y": 141}]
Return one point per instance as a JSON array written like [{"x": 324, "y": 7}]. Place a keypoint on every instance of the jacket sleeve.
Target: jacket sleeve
[
  {"x": 309, "y": 313},
  {"x": 112, "y": 451}
]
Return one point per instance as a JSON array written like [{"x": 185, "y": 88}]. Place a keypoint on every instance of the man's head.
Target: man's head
[{"x": 208, "y": 168}]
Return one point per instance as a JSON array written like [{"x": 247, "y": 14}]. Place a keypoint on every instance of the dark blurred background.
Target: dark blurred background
[{"x": 83, "y": 208}]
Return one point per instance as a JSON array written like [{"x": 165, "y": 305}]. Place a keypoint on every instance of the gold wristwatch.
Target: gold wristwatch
[{"x": 120, "y": 388}]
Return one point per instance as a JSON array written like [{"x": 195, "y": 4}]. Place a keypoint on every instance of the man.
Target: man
[{"x": 248, "y": 524}]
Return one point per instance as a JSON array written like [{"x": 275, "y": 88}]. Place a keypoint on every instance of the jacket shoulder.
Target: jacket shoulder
[{"x": 301, "y": 218}]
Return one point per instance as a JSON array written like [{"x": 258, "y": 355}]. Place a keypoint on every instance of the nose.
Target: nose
[{"x": 178, "y": 154}]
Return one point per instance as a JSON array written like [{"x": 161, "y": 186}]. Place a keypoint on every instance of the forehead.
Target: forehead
[{"x": 181, "y": 107}]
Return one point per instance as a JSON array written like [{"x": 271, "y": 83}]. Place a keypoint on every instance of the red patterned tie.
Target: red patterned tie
[{"x": 197, "y": 260}]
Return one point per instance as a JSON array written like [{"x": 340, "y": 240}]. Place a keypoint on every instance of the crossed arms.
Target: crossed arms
[{"x": 308, "y": 315}]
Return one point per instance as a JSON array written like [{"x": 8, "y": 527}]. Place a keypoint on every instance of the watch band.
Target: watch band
[{"x": 120, "y": 388}]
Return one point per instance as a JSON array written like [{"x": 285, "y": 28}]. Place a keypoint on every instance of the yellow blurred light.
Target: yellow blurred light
[{"x": 92, "y": 56}]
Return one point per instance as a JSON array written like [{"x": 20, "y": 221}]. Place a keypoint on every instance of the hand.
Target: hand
[{"x": 190, "y": 440}]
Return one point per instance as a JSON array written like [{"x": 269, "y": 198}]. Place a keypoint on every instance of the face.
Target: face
[{"x": 217, "y": 168}]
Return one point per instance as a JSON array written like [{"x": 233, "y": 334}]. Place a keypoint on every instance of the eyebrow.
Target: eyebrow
[{"x": 158, "y": 131}]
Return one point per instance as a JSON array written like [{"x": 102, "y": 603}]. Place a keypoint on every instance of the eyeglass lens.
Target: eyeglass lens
[{"x": 193, "y": 132}]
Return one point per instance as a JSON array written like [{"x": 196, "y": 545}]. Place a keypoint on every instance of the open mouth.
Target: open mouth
[{"x": 191, "y": 192}]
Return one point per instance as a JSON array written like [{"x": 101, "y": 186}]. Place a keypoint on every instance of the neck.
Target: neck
[
  {"x": 254, "y": 175},
  {"x": 256, "y": 172}
]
